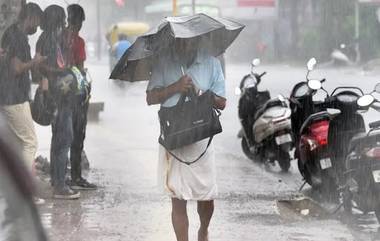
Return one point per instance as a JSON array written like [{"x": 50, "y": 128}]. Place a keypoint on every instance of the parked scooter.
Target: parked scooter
[
  {"x": 251, "y": 99},
  {"x": 362, "y": 176},
  {"x": 273, "y": 132},
  {"x": 301, "y": 101},
  {"x": 310, "y": 122},
  {"x": 343, "y": 126},
  {"x": 340, "y": 55},
  {"x": 344, "y": 55},
  {"x": 266, "y": 135}
]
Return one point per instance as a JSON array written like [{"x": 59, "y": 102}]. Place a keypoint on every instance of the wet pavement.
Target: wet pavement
[{"x": 122, "y": 148}]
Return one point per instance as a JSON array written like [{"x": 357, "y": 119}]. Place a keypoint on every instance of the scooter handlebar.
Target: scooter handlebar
[
  {"x": 262, "y": 74},
  {"x": 375, "y": 107},
  {"x": 374, "y": 125}
]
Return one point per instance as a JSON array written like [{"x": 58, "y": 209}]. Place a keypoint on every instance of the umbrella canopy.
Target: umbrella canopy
[{"x": 214, "y": 35}]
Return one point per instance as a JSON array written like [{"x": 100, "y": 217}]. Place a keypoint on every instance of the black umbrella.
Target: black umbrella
[{"x": 215, "y": 35}]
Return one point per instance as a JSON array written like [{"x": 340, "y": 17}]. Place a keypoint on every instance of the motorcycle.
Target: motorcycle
[
  {"x": 362, "y": 176},
  {"x": 266, "y": 134},
  {"x": 310, "y": 123}
]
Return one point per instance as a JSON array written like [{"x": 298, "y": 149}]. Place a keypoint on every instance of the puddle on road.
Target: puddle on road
[{"x": 300, "y": 208}]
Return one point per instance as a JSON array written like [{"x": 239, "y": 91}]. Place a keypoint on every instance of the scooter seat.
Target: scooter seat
[
  {"x": 364, "y": 140},
  {"x": 267, "y": 105}
]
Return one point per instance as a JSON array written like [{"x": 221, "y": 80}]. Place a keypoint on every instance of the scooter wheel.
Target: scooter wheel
[
  {"x": 284, "y": 161},
  {"x": 246, "y": 149},
  {"x": 377, "y": 212},
  {"x": 301, "y": 168},
  {"x": 347, "y": 202},
  {"x": 304, "y": 172}
]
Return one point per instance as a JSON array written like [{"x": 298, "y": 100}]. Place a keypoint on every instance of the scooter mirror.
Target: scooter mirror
[
  {"x": 237, "y": 91},
  {"x": 281, "y": 98},
  {"x": 256, "y": 62},
  {"x": 311, "y": 64},
  {"x": 365, "y": 100},
  {"x": 377, "y": 88},
  {"x": 314, "y": 84}
]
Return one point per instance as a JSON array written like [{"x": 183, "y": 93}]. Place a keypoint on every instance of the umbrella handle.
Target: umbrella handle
[
  {"x": 183, "y": 96},
  {"x": 196, "y": 91},
  {"x": 192, "y": 94}
]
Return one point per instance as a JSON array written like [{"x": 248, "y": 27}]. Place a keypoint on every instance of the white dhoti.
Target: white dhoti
[{"x": 188, "y": 182}]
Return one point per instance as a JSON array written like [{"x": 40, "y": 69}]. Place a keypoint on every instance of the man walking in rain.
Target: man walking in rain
[
  {"x": 181, "y": 70},
  {"x": 178, "y": 58},
  {"x": 15, "y": 81}
]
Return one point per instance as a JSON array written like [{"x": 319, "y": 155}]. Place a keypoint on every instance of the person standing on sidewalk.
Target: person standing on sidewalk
[
  {"x": 182, "y": 182},
  {"x": 50, "y": 44},
  {"x": 15, "y": 80},
  {"x": 75, "y": 52}
]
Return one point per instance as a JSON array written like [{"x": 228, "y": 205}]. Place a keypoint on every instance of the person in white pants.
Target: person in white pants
[{"x": 15, "y": 83}]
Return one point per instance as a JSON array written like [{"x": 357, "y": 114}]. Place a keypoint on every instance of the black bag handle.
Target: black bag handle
[{"x": 189, "y": 163}]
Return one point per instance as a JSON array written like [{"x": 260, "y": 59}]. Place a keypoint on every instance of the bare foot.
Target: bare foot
[{"x": 202, "y": 235}]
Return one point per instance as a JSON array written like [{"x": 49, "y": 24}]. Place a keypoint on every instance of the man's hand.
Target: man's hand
[
  {"x": 184, "y": 84},
  {"x": 220, "y": 102},
  {"x": 159, "y": 95},
  {"x": 38, "y": 59}
]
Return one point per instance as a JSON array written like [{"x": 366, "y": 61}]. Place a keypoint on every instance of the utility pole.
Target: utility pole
[
  {"x": 174, "y": 7},
  {"x": 193, "y": 6},
  {"x": 357, "y": 31},
  {"x": 99, "y": 32},
  {"x": 294, "y": 7}
]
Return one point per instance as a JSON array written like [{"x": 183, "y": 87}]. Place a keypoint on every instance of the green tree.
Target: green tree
[{"x": 369, "y": 33}]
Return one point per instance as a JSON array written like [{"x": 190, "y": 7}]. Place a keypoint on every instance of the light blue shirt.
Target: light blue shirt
[
  {"x": 206, "y": 72},
  {"x": 121, "y": 47}
]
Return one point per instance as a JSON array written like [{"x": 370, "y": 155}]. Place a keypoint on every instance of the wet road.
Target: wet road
[{"x": 123, "y": 148}]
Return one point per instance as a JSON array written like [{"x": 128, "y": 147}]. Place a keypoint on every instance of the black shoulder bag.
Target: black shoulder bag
[
  {"x": 189, "y": 122},
  {"x": 43, "y": 107}
]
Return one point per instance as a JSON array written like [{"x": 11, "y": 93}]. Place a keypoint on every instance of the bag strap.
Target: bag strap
[{"x": 189, "y": 163}]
